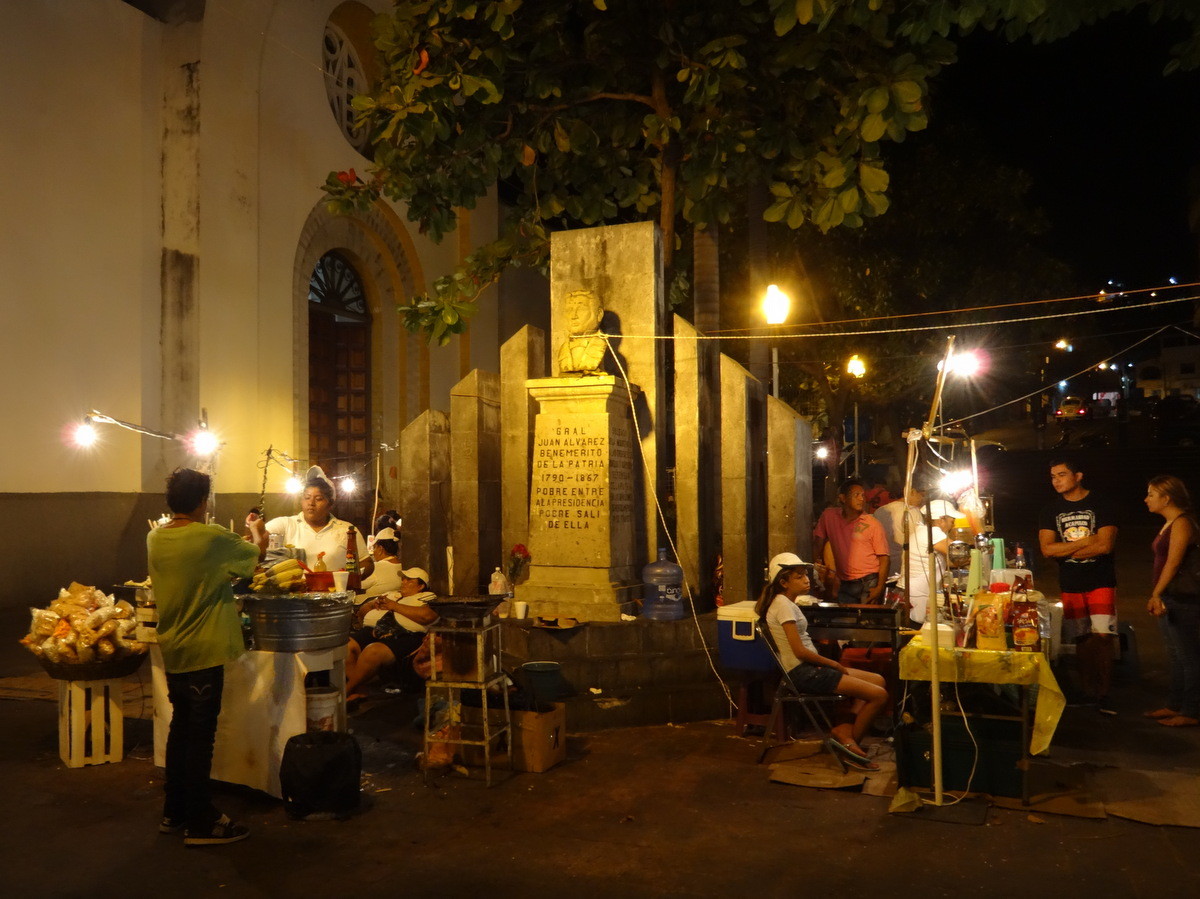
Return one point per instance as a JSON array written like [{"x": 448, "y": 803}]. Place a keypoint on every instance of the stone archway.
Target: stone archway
[{"x": 383, "y": 256}]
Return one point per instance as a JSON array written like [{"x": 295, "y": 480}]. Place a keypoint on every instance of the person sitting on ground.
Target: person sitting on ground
[
  {"x": 388, "y": 628},
  {"x": 811, "y": 672},
  {"x": 385, "y": 551}
]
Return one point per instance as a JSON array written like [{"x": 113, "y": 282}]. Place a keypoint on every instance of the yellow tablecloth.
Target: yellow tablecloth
[{"x": 981, "y": 666}]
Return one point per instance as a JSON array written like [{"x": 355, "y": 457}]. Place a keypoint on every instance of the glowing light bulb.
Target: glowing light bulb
[
  {"x": 856, "y": 367},
  {"x": 775, "y": 305},
  {"x": 85, "y": 434},
  {"x": 293, "y": 485},
  {"x": 204, "y": 442},
  {"x": 822, "y": 452},
  {"x": 956, "y": 482},
  {"x": 348, "y": 485}
]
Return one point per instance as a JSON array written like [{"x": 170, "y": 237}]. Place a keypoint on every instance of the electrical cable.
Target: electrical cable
[{"x": 650, "y": 477}]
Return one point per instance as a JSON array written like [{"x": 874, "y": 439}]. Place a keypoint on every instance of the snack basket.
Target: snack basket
[{"x": 98, "y": 669}]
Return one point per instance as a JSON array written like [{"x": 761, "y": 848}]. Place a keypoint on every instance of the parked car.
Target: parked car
[{"x": 1072, "y": 407}]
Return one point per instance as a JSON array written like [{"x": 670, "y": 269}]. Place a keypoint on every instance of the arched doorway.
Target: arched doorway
[{"x": 339, "y": 380}]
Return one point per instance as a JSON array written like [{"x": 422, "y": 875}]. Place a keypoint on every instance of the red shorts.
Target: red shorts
[{"x": 1093, "y": 612}]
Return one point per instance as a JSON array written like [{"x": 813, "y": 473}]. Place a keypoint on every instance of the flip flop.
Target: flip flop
[
  {"x": 860, "y": 766},
  {"x": 1159, "y": 714},
  {"x": 1179, "y": 721},
  {"x": 849, "y": 753}
]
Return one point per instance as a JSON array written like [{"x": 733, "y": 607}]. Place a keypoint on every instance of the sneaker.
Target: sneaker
[
  {"x": 220, "y": 831},
  {"x": 170, "y": 825}
]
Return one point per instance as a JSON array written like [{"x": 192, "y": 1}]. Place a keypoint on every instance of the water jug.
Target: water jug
[{"x": 662, "y": 598}]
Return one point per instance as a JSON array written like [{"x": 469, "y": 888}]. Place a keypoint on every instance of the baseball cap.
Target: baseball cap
[
  {"x": 783, "y": 560},
  {"x": 940, "y": 508},
  {"x": 419, "y": 574}
]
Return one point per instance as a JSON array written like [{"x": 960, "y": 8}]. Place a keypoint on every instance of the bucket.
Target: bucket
[
  {"x": 545, "y": 681},
  {"x": 321, "y": 705},
  {"x": 282, "y": 624}
]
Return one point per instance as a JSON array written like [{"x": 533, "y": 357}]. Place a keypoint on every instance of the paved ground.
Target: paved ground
[{"x": 641, "y": 812}]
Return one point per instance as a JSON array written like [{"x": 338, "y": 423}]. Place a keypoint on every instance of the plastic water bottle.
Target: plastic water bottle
[
  {"x": 663, "y": 589},
  {"x": 499, "y": 585}
]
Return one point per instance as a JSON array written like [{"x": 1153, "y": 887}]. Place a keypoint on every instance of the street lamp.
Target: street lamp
[
  {"x": 857, "y": 369},
  {"x": 776, "y": 305}
]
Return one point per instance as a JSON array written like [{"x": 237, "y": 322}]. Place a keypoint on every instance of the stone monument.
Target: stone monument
[{"x": 581, "y": 506}]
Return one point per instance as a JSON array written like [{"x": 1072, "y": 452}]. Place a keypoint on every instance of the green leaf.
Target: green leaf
[
  {"x": 907, "y": 93},
  {"x": 562, "y": 140},
  {"x": 849, "y": 199},
  {"x": 873, "y": 178},
  {"x": 777, "y": 210},
  {"x": 795, "y": 216},
  {"x": 877, "y": 99},
  {"x": 873, "y": 127}
]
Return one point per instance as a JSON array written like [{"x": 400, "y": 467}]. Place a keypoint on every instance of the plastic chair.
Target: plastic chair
[{"x": 812, "y": 705}]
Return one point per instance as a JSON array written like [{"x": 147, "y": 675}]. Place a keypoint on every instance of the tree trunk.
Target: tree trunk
[{"x": 706, "y": 280}]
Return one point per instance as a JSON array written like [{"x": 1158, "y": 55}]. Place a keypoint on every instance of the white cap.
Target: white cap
[
  {"x": 783, "y": 560},
  {"x": 386, "y": 534},
  {"x": 419, "y": 574},
  {"x": 940, "y": 508}
]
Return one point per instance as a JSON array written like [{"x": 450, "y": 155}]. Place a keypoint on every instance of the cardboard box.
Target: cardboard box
[{"x": 539, "y": 738}]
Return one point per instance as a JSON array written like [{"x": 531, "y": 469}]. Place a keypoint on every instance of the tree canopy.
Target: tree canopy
[{"x": 603, "y": 111}]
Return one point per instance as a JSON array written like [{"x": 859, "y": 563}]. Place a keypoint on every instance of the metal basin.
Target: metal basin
[{"x": 299, "y": 622}]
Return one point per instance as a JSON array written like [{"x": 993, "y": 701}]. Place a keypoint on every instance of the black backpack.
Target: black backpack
[{"x": 319, "y": 775}]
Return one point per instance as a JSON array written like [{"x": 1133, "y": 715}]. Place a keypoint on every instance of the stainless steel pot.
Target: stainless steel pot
[{"x": 299, "y": 622}]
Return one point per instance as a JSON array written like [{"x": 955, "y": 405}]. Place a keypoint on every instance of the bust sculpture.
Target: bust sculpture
[{"x": 584, "y": 348}]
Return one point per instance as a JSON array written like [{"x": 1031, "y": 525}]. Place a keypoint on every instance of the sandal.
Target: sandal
[
  {"x": 1159, "y": 714},
  {"x": 852, "y": 752},
  {"x": 860, "y": 765}
]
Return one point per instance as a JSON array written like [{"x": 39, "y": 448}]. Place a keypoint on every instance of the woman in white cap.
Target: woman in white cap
[
  {"x": 388, "y": 628},
  {"x": 810, "y": 671},
  {"x": 385, "y": 551},
  {"x": 315, "y": 529},
  {"x": 915, "y": 579}
]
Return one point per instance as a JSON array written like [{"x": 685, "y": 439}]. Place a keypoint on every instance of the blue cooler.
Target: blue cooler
[{"x": 737, "y": 639}]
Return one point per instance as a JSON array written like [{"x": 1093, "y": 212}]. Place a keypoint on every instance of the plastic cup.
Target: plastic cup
[
  {"x": 520, "y": 609},
  {"x": 341, "y": 580}
]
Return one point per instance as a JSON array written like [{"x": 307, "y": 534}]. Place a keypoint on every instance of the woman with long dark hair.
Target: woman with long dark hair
[
  {"x": 1179, "y": 616},
  {"x": 810, "y": 671}
]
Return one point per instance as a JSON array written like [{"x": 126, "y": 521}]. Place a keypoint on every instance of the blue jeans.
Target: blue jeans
[
  {"x": 857, "y": 591},
  {"x": 195, "y": 704},
  {"x": 1181, "y": 633}
]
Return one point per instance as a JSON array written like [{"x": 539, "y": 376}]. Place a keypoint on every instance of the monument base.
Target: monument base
[{"x": 589, "y": 594}]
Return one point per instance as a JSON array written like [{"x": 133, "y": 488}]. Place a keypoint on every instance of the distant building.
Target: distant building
[{"x": 1174, "y": 372}]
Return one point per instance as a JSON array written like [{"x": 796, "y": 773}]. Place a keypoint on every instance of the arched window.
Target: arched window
[
  {"x": 345, "y": 76},
  {"x": 339, "y": 369}
]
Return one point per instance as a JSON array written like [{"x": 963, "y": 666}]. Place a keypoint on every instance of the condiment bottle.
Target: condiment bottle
[
  {"x": 1019, "y": 561},
  {"x": 353, "y": 579},
  {"x": 320, "y": 565}
]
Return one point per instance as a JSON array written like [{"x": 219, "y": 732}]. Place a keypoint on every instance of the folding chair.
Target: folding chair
[{"x": 811, "y": 703}]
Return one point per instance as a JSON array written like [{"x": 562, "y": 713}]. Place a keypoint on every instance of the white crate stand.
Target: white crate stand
[{"x": 91, "y": 725}]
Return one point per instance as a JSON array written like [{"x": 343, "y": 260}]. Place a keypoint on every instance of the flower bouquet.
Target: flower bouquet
[{"x": 518, "y": 560}]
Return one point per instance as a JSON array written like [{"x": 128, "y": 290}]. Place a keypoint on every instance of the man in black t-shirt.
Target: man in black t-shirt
[{"x": 1079, "y": 531}]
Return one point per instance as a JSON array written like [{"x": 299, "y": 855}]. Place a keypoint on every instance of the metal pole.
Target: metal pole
[
  {"x": 775, "y": 372},
  {"x": 857, "y": 440}
]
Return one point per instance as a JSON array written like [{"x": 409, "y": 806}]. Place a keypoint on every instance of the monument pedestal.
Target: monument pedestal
[{"x": 582, "y": 500}]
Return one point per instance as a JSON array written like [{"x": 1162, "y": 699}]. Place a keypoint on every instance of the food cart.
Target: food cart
[{"x": 268, "y": 695}]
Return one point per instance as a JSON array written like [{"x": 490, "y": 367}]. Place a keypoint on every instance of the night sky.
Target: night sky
[{"x": 1108, "y": 139}]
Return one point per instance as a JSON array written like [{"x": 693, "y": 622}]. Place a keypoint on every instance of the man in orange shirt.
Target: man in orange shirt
[{"x": 859, "y": 546}]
